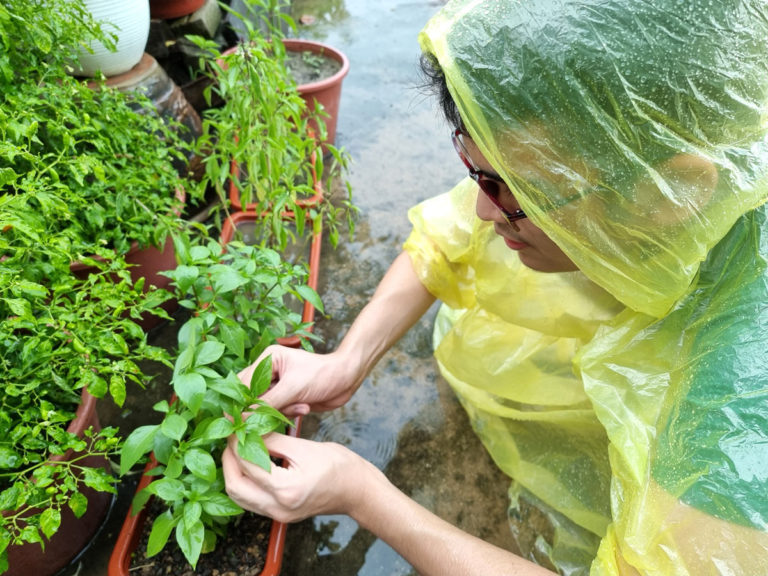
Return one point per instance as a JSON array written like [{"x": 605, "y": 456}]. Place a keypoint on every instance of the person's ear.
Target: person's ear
[
  {"x": 691, "y": 174},
  {"x": 692, "y": 179}
]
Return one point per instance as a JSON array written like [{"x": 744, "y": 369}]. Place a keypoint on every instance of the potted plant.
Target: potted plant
[
  {"x": 318, "y": 70},
  {"x": 258, "y": 147},
  {"x": 82, "y": 178},
  {"x": 236, "y": 296},
  {"x": 63, "y": 341},
  {"x": 99, "y": 162}
]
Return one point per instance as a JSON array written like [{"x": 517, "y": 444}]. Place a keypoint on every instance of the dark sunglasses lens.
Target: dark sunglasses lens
[{"x": 490, "y": 187}]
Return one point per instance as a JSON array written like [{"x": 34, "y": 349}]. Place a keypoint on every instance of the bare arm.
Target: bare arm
[
  {"x": 326, "y": 478},
  {"x": 398, "y": 303},
  {"x": 306, "y": 381}
]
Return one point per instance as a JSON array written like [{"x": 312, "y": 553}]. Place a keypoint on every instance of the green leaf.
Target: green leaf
[
  {"x": 5, "y": 541},
  {"x": 138, "y": 443},
  {"x": 99, "y": 480},
  {"x": 231, "y": 387},
  {"x": 226, "y": 279},
  {"x": 50, "y": 520},
  {"x": 219, "y": 428},
  {"x": 173, "y": 426},
  {"x": 9, "y": 458},
  {"x": 254, "y": 450},
  {"x": 201, "y": 464},
  {"x": 175, "y": 466},
  {"x": 219, "y": 504},
  {"x": 190, "y": 540},
  {"x": 78, "y": 503},
  {"x": 192, "y": 512},
  {"x": 32, "y": 289},
  {"x": 161, "y": 530},
  {"x": 168, "y": 489},
  {"x": 19, "y": 307},
  {"x": 262, "y": 377},
  {"x": 208, "y": 352},
  {"x": 233, "y": 337},
  {"x": 185, "y": 277},
  {"x": 117, "y": 389},
  {"x": 262, "y": 422},
  {"x": 186, "y": 356},
  {"x": 7, "y": 176},
  {"x": 30, "y": 534},
  {"x": 310, "y": 296},
  {"x": 190, "y": 388},
  {"x": 9, "y": 498}
]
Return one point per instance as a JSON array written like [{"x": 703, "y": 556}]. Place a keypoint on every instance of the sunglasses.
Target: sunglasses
[{"x": 491, "y": 185}]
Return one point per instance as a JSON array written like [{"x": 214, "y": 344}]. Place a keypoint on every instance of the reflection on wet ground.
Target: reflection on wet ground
[{"x": 404, "y": 418}]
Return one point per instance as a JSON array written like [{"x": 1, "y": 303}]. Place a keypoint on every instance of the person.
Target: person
[{"x": 603, "y": 273}]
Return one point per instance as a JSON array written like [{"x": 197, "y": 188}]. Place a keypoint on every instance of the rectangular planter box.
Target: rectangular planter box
[{"x": 128, "y": 539}]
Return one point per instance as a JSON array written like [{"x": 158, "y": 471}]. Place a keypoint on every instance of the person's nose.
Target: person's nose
[{"x": 486, "y": 210}]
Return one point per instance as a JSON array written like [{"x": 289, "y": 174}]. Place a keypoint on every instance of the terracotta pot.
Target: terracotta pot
[
  {"x": 234, "y": 193},
  {"x": 129, "y": 20},
  {"x": 327, "y": 91},
  {"x": 170, "y": 9},
  {"x": 146, "y": 263},
  {"x": 74, "y": 534}
]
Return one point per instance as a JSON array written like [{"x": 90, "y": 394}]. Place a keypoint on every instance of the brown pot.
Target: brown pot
[
  {"x": 326, "y": 91},
  {"x": 171, "y": 9},
  {"x": 74, "y": 534},
  {"x": 237, "y": 219},
  {"x": 130, "y": 533}
]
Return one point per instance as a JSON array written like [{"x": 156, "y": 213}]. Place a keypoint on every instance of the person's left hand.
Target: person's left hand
[{"x": 318, "y": 478}]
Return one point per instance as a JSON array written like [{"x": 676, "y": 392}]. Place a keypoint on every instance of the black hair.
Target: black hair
[{"x": 436, "y": 86}]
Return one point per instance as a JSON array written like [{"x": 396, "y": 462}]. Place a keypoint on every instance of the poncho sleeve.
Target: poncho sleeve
[{"x": 441, "y": 243}]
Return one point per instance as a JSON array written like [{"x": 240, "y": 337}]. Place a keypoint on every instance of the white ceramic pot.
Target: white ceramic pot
[{"x": 129, "y": 20}]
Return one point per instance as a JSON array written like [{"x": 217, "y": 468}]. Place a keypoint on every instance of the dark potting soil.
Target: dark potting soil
[
  {"x": 242, "y": 553},
  {"x": 307, "y": 67}
]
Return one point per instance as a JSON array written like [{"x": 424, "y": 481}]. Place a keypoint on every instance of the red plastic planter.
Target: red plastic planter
[
  {"x": 130, "y": 533},
  {"x": 128, "y": 539},
  {"x": 308, "y": 313},
  {"x": 171, "y": 9}
]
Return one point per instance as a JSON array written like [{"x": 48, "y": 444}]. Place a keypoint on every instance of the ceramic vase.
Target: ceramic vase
[{"x": 129, "y": 21}]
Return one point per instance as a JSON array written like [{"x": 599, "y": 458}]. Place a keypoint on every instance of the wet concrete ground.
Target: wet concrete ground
[{"x": 404, "y": 418}]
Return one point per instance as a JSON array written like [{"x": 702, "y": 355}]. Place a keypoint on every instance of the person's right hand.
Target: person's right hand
[
  {"x": 318, "y": 478},
  {"x": 303, "y": 381}
]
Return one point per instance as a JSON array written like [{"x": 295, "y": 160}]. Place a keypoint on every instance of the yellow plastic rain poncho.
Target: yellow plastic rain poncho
[{"x": 628, "y": 401}]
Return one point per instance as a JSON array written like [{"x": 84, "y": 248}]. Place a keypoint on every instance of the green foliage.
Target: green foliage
[
  {"x": 60, "y": 334},
  {"x": 84, "y": 172},
  {"x": 262, "y": 131},
  {"x": 98, "y": 162},
  {"x": 32, "y": 504},
  {"x": 238, "y": 296}
]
